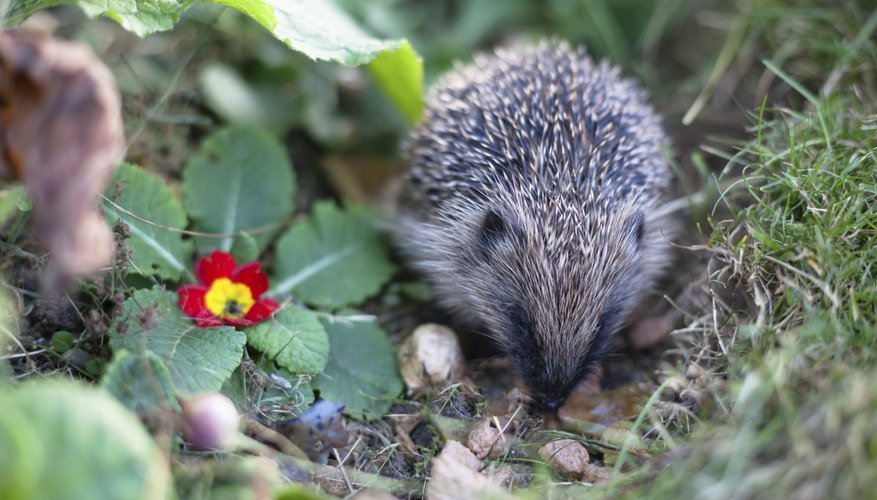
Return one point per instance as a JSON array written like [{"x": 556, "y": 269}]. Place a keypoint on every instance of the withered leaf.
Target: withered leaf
[{"x": 61, "y": 134}]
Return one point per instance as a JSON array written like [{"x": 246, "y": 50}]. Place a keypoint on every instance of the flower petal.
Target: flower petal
[
  {"x": 192, "y": 300},
  {"x": 250, "y": 275},
  {"x": 217, "y": 265},
  {"x": 262, "y": 309},
  {"x": 239, "y": 322},
  {"x": 208, "y": 321},
  {"x": 192, "y": 304}
]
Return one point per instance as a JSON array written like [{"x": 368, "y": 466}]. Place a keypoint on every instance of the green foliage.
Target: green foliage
[
  {"x": 239, "y": 181},
  {"x": 294, "y": 339},
  {"x": 362, "y": 371},
  {"x": 63, "y": 440},
  {"x": 270, "y": 398},
  {"x": 13, "y": 200},
  {"x": 400, "y": 73},
  {"x": 156, "y": 249},
  {"x": 317, "y": 28},
  {"x": 245, "y": 248},
  {"x": 20, "y": 450},
  {"x": 333, "y": 259},
  {"x": 62, "y": 341},
  {"x": 296, "y": 491},
  {"x": 140, "y": 381},
  {"x": 198, "y": 359}
]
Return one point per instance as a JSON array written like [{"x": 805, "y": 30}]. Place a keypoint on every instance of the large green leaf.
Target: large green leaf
[
  {"x": 240, "y": 180},
  {"x": 156, "y": 248},
  {"x": 198, "y": 359},
  {"x": 140, "y": 381},
  {"x": 294, "y": 339},
  {"x": 81, "y": 443},
  {"x": 334, "y": 258},
  {"x": 20, "y": 453},
  {"x": 362, "y": 372},
  {"x": 400, "y": 73},
  {"x": 317, "y": 28}
]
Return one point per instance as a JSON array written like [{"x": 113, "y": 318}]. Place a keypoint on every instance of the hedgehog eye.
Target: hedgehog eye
[{"x": 520, "y": 321}]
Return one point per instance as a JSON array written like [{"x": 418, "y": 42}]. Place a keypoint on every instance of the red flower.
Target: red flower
[{"x": 226, "y": 293}]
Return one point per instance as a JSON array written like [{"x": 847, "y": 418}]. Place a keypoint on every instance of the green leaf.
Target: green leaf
[
  {"x": 156, "y": 250},
  {"x": 294, "y": 339},
  {"x": 20, "y": 453},
  {"x": 400, "y": 74},
  {"x": 13, "y": 200},
  {"x": 317, "y": 28},
  {"x": 198, "y": 359},
  {"x": 88, "y": 445},
  {"x": 139, "y": 16},
  {"x": 334, "y": 258},
  {"x": 362, "y": 372},
  {"x": 240, "y": 180},
  {"x": 245, "y": 248},
  {"x": 62, "y": 341},
  {"x": 141, "y": 382}
]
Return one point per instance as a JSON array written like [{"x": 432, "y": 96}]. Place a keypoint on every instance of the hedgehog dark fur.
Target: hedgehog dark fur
[{"x": 531, "y": 206}]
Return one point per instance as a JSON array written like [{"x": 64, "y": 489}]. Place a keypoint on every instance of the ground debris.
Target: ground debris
[
  {"x": 491, "y": 438},
  {"x": 316, "y": 431},
  {"x": 430, "y": 356},
  {"x": 453, "y": 477}
]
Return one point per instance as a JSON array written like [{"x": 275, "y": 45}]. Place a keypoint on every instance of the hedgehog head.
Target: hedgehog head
[{"x": 553, "y": 281}]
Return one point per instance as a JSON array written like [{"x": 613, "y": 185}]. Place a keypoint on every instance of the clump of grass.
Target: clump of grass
[{"x": 793, "y": 309}]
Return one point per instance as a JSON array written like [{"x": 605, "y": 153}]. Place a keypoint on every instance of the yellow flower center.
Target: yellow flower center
[{"x": 227, "y": 299}]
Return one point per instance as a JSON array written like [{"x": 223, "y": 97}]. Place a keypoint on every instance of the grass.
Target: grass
[
  {"x": 801, "y": 410},
  {"x": 790, "y": 325}
]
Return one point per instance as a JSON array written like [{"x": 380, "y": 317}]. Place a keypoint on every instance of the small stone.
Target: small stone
[
  {"x": 486, "y": 441},
  {"x": 502, "y": 475},
  {"x": 596, "y": 474},
  {"x": 461, "y": 454},
  {"x": 452, "y": 479},
  {"x": 568, "y": 456},
  {"x": 430, "y": 356}
]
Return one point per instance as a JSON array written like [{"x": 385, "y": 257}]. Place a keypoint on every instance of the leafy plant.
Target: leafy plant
[
  {"x": 149, "y": 209},
  {"x": 294, "y": 339},
  {"x": 240, "y": 180},
  {"x": 317, "y": 28},
  {"x": 140, "y": 381},
  {"x": 65, "y": 440},
  {"x": 198, "y": 359},
  {"x": 362, "y": 369},
  {"x": 333, "y": 259}
]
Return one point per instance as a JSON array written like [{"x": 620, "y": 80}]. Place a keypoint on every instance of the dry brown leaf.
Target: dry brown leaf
[{"x": 61, "y": 134}]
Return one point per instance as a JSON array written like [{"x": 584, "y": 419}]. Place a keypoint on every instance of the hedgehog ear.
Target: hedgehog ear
[{"x": 493, "y": 231}]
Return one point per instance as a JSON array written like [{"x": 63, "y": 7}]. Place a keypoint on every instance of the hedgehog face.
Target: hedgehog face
[{"x": 554, "y": 304}]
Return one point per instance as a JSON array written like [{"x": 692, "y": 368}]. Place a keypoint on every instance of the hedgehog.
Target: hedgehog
[{"x": 530, "y": 205}]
